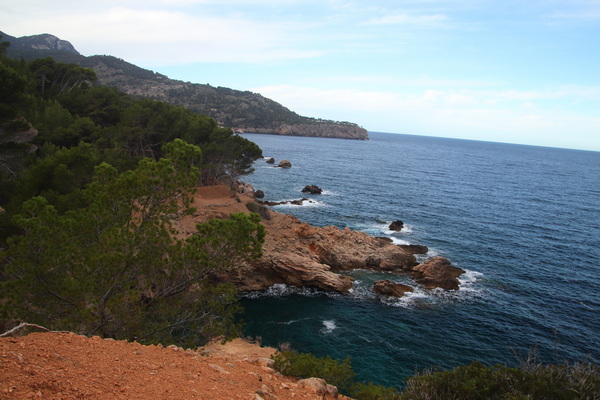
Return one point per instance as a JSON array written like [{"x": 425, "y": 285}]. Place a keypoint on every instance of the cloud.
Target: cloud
[
  {"x": 155, "y": 36},
  {"x": 478, "y": 115},
  {"x": 404, "y": 19}
]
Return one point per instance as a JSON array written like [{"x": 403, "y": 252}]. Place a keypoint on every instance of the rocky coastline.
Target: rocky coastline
[{"x": 301, "y": 255}]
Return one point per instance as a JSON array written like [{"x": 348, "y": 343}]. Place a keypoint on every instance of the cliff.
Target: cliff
[
  {"x": 325, "y": 130},
  {"x": 69, "y": 366}
]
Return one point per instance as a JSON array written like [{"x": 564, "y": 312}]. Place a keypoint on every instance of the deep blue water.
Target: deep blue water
[{"x": 523, "y": 221}]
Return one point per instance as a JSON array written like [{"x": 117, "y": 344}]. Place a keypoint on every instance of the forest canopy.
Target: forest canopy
[{"x": 88, "y": 179}]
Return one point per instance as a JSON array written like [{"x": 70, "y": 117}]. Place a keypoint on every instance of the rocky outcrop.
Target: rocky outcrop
[
  {"x": 284, "y": 164},
  {"x": 319, "y": 387},
  {"x": 396, "y": 226},
  {"x": 270, "y": 160},
  {"x": 389, "y": 288},
  {"x": 312, "y": 189},
  {"x": 438, "y": 272},
  {"x": 298, "y": 254}
]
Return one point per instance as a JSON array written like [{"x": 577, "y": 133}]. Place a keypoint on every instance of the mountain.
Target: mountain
[{"x": 242, "y": 111}]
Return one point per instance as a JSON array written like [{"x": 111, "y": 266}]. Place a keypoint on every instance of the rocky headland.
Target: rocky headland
[
  {"x": 325, "y": 130},
  {"x": 298, "y": 254}
]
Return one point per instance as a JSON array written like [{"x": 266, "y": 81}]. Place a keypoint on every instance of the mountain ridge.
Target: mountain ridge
[{"x": 242, "y": 111}]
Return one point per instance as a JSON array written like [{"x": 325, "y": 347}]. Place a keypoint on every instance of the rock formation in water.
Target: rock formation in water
[
  {"x": 284, "y": 164},
  {"x": 312, "y": 189},
  {"x": 396, "y": 225},
  {"x": 438, "y": 272}
]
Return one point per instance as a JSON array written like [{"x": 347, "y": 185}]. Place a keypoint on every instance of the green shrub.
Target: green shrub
[
  {"x": 305, "y": 365},
  {"x": 335, "y": 372},
  {"x": 480, "y": 382},
  {"x": 371, "y": 391}
]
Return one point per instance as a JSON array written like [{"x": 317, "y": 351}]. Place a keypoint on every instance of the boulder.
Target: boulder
[
  {"x": 312, "y": 189},
  {"x": 319, "y": 386},
  {"x": 259, "y": 194},
  {"x": 245, "y": 188},
  {"x": 389, "y": 288},
  {"x": 396, "y": 226},
  {"x": 284, "y": 164},
  {"x": 414, "y": 248},
  {"x": 270, "y": 160},
  {"x": 438, "y": 272}
]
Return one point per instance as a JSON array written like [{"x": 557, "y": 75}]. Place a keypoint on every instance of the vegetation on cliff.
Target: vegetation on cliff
[
  {"x": 91, "y": 179},
  {"x": 476, "y": 381},
  {"x": 241, "y": 110}
]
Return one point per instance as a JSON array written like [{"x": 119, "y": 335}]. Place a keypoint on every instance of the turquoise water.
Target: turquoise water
[{"x": 523, "y": 221}]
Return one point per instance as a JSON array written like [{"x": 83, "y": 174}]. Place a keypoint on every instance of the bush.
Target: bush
[
  {"x": 478, "y": 381},
  {"x": 304, "y": 365}
]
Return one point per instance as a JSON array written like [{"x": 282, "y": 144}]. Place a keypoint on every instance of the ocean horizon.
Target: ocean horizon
[{"x": 521, "y": 220}]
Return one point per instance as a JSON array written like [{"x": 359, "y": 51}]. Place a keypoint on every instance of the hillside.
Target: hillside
[{"x": 242, "y": 111}]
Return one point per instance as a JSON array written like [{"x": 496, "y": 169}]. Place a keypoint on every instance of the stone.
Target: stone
[
  {"x": 396, "y": 226},
  {"x": 270, "y": 160},
  {"x": 389, "y": 288},
  {"x": 414, "y": 248},
  {"x": 312, "y": 189},
  {"x": 438, "y": 272},
  {"x": 319, "y": 386},
  {"x": 259, "y": 194},
  {"x": 284, "y": 164}
]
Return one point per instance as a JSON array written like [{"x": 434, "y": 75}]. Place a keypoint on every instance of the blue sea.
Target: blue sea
[{"x": 523, "y": 221}]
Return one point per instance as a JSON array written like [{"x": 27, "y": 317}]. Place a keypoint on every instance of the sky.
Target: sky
[{"x": 511, "y": 71}]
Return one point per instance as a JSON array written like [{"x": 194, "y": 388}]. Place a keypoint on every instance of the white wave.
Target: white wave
[
  {"x": 290, "y": 322},
  {"x": 470, "y": 276},
  {"x": 396, "y": 240},
  {"x": 305, "y": 203},
  {"x": 281, "y": 290},
  {"x": 328, "y": 327}
]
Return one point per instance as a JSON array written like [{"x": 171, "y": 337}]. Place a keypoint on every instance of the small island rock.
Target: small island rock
[
  {"x": 312, "y": 189},
  {"x": 284, "y": 164},
  {"x": 270, "y": 160},
  {"x": 438, "y": 272},
  {"x": 396, "y": 226},
  {"x": 389, "y": 288}
]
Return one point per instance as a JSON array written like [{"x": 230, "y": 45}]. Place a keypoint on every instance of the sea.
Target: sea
[{"x": 522, "y": 221}]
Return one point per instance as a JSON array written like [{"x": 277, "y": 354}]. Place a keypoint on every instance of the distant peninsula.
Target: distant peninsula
[{"x": 242, "y": 111}]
